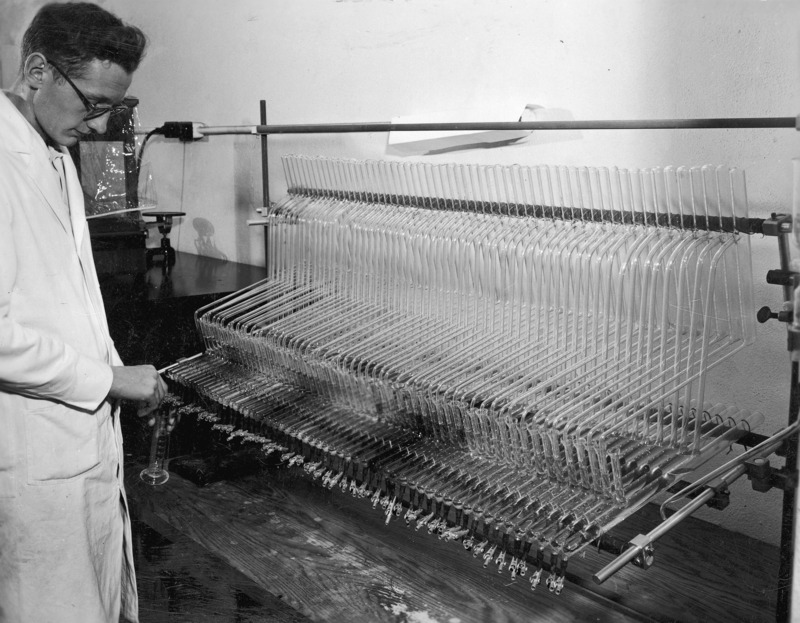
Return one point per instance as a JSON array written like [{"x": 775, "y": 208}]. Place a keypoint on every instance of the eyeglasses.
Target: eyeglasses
[{"x": 93, "y": 111}]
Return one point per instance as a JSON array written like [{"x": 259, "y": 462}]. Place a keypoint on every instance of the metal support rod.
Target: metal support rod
[
  {"x": 639, "y": 544},
  {"x": 641, "y": 124},
  {"x": 264, "y": 156},
  {"x": 181, "y": 360},
  {"x": 785, "y": 260},
  {"x": 785, "y": 572},
  {"x": 788, "y": 514},
  {"x": 264, "y": 177}
]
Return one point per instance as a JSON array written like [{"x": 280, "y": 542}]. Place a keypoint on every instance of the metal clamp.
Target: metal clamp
[
  {"x": 764, "y": 477},
  {"x": 777, "y": 224}
]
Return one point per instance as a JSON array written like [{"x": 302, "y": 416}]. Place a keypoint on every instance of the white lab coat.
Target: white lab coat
[{"x": 65, "y": 541}]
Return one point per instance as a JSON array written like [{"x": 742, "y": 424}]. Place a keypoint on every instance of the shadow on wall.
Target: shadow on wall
[{"x": 204, "y": 243}]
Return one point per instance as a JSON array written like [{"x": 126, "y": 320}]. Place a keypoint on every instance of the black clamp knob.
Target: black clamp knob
[
  {"x": 765, "y": 313},
  {"x": 759, "y": 473},
  {"x": 781, "y": 277}
]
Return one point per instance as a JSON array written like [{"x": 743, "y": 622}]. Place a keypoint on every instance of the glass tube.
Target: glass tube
[{"x": 155, "y": 473}]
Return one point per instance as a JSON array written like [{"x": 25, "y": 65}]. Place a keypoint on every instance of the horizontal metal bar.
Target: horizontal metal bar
[
  {"x": 750, "y": 440},
  {"x": 639, "y": 543},
  {"x": 484, "y": 126},
  {"x": 641, "y": 124},
  {"x": 680, "y": 221}
]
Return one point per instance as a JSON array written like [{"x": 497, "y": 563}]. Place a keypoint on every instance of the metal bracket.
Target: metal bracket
[
  {"x": 777, "y": 224},
  {"x": 718, "y": 501},
  {"x": 764, "y": 477},
  {"x": 646, "y": 555}
]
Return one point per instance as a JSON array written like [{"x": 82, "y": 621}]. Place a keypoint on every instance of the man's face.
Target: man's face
[{"x": 59, "y": 111}]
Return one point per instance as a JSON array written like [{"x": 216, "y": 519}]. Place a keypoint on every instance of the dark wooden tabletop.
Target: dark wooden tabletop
[
  {"x": 330, "y": 557},
  {"x": 190, "y": 276}
]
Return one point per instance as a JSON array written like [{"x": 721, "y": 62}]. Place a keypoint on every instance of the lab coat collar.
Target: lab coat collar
[
  {"x": 18, "y": 134},
  {"x": 20, "y": 137}
]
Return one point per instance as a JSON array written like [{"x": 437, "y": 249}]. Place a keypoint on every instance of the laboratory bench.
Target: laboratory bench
[{"x": 238, "y": 536}]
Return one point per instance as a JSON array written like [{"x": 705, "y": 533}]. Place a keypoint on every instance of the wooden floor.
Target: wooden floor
[{"x": 275, "y": 546}]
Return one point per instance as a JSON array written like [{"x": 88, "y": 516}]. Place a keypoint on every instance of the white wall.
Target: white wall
[{"x": 327, "y": 61}]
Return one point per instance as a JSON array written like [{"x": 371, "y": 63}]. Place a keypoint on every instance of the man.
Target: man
[{"x": 65, "y": 547}]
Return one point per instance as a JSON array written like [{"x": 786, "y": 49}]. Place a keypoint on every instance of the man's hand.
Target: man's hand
[{"x": 140, "y": 384}]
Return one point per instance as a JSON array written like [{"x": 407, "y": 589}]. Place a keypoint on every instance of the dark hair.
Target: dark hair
[{"x": 74, "y": 34}]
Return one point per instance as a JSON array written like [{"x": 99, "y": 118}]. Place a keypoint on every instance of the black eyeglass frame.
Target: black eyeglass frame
[{"x": 94, "y": 111}]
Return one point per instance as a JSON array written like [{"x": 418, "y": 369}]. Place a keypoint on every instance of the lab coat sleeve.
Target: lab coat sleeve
[{"x": 37, "y": 365}]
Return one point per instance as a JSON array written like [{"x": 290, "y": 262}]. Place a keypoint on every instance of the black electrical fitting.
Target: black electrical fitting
[{"x": 182, "y": 130}]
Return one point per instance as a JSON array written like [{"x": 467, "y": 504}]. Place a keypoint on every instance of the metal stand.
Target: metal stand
[
  {"x": 761, "y": 474},
  {"x": 781, "y": 226},
  {"x": 165, "y": 251}
]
